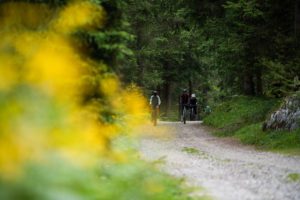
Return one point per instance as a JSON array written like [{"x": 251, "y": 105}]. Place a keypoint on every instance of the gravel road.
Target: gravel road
[{"x": 225, "y": 169}]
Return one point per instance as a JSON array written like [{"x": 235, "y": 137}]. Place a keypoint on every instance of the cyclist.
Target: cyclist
[
  {"x": 184, "y": 100},
  {"x": 193, "y": 104},
  {"x": 155, "y": 103}
]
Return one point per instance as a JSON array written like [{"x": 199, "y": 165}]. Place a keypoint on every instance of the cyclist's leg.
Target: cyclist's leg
[
  {"x": 194, "y": 112},
  {"x": 155, "y": 116},
  {"x": 181, "y": 112},
  {"x": 183, "y": 115},
  {"x": 178, "y": 111},
  {"x": 152, "y": 114}
]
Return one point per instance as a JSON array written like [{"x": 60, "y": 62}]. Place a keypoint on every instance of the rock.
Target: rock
[{"x": 287, "y": 117}]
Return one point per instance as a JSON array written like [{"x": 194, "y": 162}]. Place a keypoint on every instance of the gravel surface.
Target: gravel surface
[{"x": 225, "y": 169}]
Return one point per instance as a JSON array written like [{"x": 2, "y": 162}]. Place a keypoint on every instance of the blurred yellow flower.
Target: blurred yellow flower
[
  {"x": 80, "y": 14},
  {"x": 41, "y": 81}
]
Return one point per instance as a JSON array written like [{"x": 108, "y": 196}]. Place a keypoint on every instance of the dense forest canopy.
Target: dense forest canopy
[
  {"x": 214, "y": 48},
  {"x": 218, "y": 47}
]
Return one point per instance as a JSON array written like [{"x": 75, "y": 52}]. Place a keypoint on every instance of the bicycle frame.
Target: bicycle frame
[
  {"x": 184, "y": 113},
  {"x": 192, "y": 113},
  {"x": 154, "y": 116}
]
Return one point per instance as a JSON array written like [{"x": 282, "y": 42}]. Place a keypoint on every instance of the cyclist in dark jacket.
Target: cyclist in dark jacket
[
  {"x": 184, "y": 97},
  {"x": 184, "y": 100},
  {"x": 193, "y": 103}
]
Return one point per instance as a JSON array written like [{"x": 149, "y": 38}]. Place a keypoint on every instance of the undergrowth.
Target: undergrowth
[
  {"x": 242, "y": 117},
  {"x": 294, "y": 177},
  {"x": 191, "y": 150},
  {"x": 239, "y": 111},
  {"x": 128, "y": 178},
  {"x": 273, "y": 140}
]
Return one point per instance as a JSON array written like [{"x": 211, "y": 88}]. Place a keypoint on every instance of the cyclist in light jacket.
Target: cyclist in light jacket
[{"x": 155, "y": 100}]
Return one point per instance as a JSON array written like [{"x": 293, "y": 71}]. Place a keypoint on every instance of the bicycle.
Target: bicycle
[
  {"x": 192, "y": 113},
  {"x": 184, "y": 113},
  {"x": 154, "y": 115}
]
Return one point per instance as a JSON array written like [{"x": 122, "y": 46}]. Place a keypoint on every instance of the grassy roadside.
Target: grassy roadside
[
  {"x": 124, "y": 176},
  {"x": 242, "y": 117}
]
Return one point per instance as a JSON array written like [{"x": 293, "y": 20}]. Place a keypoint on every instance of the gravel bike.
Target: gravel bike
[
  {"x": 184, "y": 113},
  {"x": 192, "y": 113},
  {"x": 154, "y": 115}
]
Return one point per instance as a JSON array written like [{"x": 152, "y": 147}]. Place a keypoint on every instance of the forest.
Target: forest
[
  {"x": 215, "y": 49},
  {"x": 76, "y": 77}
]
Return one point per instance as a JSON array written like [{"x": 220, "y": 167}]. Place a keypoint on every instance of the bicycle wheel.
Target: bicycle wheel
[
  {"x": 192, "y": 115},
  {"x": 184, "y": 115},
  {"x": 154, "y": 116}
]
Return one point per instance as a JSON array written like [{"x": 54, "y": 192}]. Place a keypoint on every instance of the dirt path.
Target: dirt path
[{"x": 224, "y": 168}]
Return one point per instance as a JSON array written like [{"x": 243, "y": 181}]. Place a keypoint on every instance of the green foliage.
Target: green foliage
[
  {"x": 51, "y": 2},
  {"x": 191, "y": 150},
  {"x": 243, "y": 9},
  {"x": 218, "y": 48},
  {"x": 165, "y": 47},
  {"x": 294, "y": 177},
  {"x": 139, "y": 181},
  {"x": 51, "y": 182},
  {"x": 272, "y": 140},
  {"x": 112, "y": 180},
  {"x": 236, "y": 43},
  {"x": 153, "y": 79},
  {"x": 239, "y": 111},
  {"x": 281, "y": 78},
  {"x": 242, "y": 117}
]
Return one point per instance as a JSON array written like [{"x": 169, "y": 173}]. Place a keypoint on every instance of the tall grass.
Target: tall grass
[
  {"x": 242, "y": 117},
  {"x": 240, "y": 110},
  {"x": 280, "y": 140}
]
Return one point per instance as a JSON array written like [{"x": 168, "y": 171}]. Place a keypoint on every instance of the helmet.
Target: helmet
[
  {"x": 154, "y": 92},
  {"x": 184, "y": 90},
  {"x": 193, "y": 95}
]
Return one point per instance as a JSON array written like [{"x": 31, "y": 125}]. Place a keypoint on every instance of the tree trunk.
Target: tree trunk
[
  {"x": 190, "y": 87},
  {"x": 167, "y": 97},
  {"x": 167, "y": 88},
  {"x": 297, "y": 19},
  {"x": 139, "y": 46},
  {"x": 248, "y": 84},
  {"x": 258, "y": 83},
  {"x": 141, "y": 71}
]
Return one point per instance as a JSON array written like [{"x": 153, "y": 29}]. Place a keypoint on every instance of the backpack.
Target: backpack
[{"x": 154, "y": 101}]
